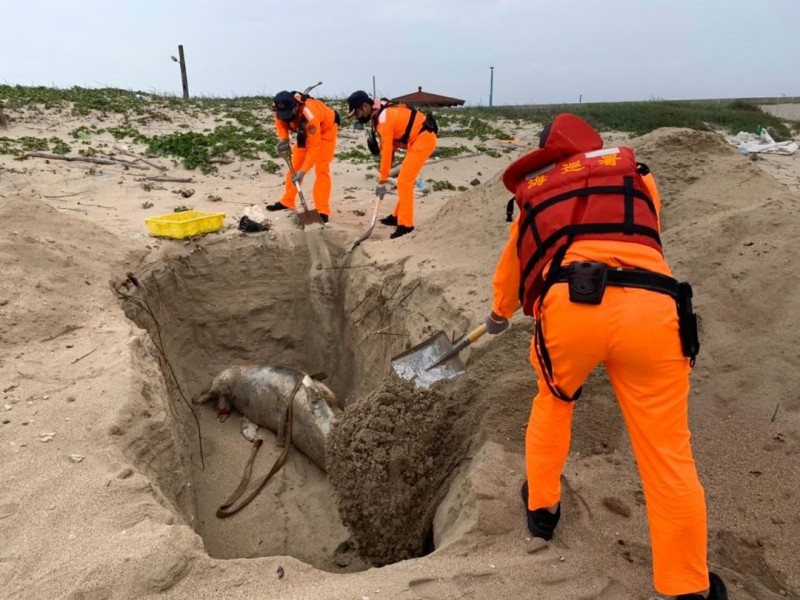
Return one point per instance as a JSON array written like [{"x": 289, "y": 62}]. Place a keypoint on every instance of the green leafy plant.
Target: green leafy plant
[
  {"x": 356, "y": 156},
  {"x": 442, "y": 184},
  {"x": 181, "y": 208},
  {"x": 81, "y": 133},
  {"x": 270, "y": 166},
  {"x": 147, "y": 204},
  {"x": 488, "y": 151},
  {"x": 59, "y": 146},
  {"x": 449, "y": 152}
]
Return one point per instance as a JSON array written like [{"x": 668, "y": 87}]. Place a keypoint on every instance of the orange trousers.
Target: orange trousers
[
  {"x": 322, "y": 177},
  {"x": 417, "y": 153},
  {"x": 634, "y": 333}
]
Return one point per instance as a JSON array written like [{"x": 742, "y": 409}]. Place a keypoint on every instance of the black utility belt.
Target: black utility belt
[
  {"x": 587, "y": 285},
  {"x": 588, "y": 281}
]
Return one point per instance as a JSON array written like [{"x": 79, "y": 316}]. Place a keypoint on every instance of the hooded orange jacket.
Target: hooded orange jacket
[
  {"x": 391, "y": 125},
  {"x": 320, "y": 127}
]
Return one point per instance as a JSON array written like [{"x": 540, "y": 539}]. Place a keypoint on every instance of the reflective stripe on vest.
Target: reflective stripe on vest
[
  {"x": 593, "y": 195},
  {"x": 409, "y": 126}
]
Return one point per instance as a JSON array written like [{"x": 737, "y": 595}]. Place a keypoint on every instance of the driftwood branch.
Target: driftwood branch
[
  {"x": 89, "y": 159},
  {"x": 122, "y": 150},
  {"x": 165, "y": 179},
  {"x": 67, "y": 195},
  {"x": 97, "y": 205}
]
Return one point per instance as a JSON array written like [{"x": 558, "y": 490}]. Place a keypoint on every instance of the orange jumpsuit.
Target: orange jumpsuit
[
  {"x": 391, "y": 125},
  {"x": 634, "y": 333},
  {"x": 321, "y": 135}
]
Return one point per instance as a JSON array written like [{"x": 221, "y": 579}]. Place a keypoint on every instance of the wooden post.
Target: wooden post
[{"x": 184, "y": 79}]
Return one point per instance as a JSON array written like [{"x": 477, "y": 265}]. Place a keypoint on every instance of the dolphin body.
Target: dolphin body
[{"x": 262, "y": 394}]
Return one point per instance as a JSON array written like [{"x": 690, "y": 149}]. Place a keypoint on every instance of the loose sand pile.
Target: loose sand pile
[{"x": 389, "y": 457}]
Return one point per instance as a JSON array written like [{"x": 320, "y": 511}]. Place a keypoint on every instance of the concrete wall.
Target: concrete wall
[{"x": 786, "y": 110}]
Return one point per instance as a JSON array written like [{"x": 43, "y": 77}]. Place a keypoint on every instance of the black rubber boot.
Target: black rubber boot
[
  {"x": 325, "y": 218},
  {"x": 390, "y": 221},
  {"x": 401, "y": 230},
  {"x": 716, "y": 590},
  {"x": 541, "y": 522},
  {"x": 277, "y": 206}
]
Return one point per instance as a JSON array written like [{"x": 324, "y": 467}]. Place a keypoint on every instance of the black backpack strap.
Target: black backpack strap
[
  {"x": 542, "y": 355},
  {"x": 407, "y": 133}
]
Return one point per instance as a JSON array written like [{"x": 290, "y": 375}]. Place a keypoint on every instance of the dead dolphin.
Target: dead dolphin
[{"x": 262, "y": 394}]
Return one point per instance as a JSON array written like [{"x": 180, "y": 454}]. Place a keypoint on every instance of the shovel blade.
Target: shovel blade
[
  {"x": 413, "y": 364},
  {"x": 309, "y": 217}
]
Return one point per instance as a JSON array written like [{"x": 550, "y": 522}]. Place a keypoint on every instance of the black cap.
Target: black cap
[
  {"x": 356, "y": 99},
  {"x": 284, "y": 105}
]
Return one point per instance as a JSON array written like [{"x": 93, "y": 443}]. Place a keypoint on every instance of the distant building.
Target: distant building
[{"x": 420, "y": 98}]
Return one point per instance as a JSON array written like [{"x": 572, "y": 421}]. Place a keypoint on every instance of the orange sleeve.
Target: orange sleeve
[
  {"x": 281, "y": 129},
  {"x": 506, "y": 276},
  {"x": 652, "y": 190},
  {"x": 313, "y": 136},
  {"x": 385, "y": 129}
]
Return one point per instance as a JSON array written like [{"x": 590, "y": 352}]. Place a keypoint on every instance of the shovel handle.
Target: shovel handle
[
  {"x": 468, "y": 339},
  {"x": 375, "y": 212},
  {"x": 287, "y": 156},
  {"x": 476, "y": 333}
]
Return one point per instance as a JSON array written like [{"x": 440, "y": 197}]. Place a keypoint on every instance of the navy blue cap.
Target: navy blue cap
[
  {"x": 356, "y": 99},
  {"x": 285, "y": 104}
]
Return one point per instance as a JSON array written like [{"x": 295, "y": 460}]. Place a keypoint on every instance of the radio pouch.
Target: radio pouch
[
  {"x": 687, "y": 323},
  {"x": 587, "y": 282}
]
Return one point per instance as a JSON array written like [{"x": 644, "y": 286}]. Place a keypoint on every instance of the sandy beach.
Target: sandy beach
[{"x": 111, "y": 477}]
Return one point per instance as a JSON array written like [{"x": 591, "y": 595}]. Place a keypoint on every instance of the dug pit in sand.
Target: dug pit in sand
[{"x": 390, "y": 458}]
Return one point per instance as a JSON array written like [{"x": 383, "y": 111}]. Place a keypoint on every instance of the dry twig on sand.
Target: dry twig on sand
[
  {"x": 89, "y": 159},
  {"x": 127, "y": 152},
  {"x": 167, "y": 179}
]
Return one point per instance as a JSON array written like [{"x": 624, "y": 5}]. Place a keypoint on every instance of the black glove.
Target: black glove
[
  {"x": 495, "y": 324},
  {"x": 380, "y": 190},
  {"x": 282, "y": 146}
]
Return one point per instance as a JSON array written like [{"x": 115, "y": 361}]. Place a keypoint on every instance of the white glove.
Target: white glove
[{"x": 495, "y": 324}]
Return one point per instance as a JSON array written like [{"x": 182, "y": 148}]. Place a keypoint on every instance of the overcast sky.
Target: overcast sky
[{"x": 542, "y": 51}]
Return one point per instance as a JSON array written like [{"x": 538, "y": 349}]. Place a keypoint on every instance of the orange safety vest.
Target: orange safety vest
[{"x": 589, "y": 195}]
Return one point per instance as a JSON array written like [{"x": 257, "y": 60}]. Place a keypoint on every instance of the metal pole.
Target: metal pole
[
  {"x": 374, "y": 93},
  {"x": 184, "y": 79},
  {"x": 491, "y": 84}
]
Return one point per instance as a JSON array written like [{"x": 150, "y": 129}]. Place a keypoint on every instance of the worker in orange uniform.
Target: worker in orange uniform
[
  {"x": 317, "y": 128},
  {"x": 396, "y": 126},
  {"x": 584, "y": 259}
]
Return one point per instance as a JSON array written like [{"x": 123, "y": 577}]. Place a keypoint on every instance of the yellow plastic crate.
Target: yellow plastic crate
[{"x": 184, "y": 224}]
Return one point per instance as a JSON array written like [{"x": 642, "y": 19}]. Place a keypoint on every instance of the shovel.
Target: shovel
[
  {"x": 307, "y": 217},
  {"x": 367, "y": 233},
  {"x": 435, "y": 359}
]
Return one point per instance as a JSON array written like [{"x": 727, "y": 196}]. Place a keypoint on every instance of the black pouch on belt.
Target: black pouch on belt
[
  {"x": 587, "y": 282},
  {"x": 687, "y": 323}
]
